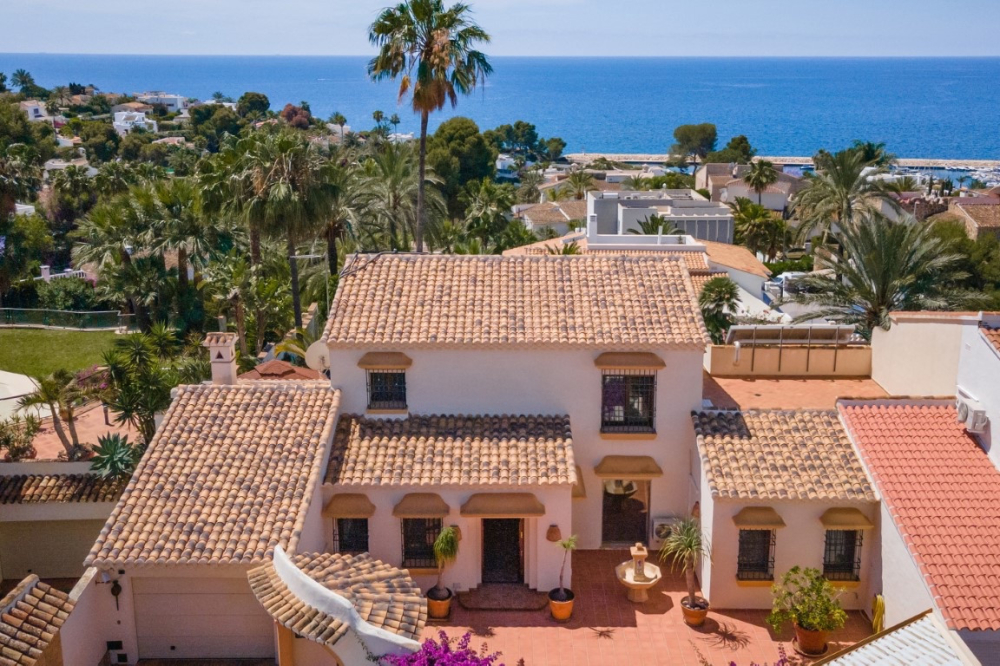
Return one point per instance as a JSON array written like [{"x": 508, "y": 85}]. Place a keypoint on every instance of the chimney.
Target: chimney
[
  {"x": 46, "y": 273},
  {"x": 222, "y": 354}
]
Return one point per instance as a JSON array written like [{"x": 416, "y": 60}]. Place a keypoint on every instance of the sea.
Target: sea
[{"x": 945, "y": 108}]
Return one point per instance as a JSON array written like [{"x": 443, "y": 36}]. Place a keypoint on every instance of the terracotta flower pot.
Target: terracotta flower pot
[
  {"x": 561, "y": 610},
  {"x": 695, "y": 617},
  {"x": 810, "y": 642},
  {"x": 439, "y": 609}
]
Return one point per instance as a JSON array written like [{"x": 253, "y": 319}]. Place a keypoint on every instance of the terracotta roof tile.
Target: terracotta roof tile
[
  {"x": 227, "y": 477},
  {"x": 384, "y": 596},
  {"x": 779, "y": 455},
  {"x": 41, "y": 488},
  {"x": 735, "y": 256},
  {"x": 452, "y": 450},
  {"x": 941, "y": 490},
  {"x": 992, "y": 336},
  {"x": 986, "y": 216},
  {"x": 280, "y": 370},
  {"x": 491, "y": 301},
  {"x": 694, "y": 261},
  {"x": 30, "y": 618},
  {"x": 701, "y": 279}
]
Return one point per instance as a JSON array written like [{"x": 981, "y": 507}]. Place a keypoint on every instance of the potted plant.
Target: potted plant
[
  {"x": 811, "y": 603},
  {"x": 16, "y": 436},
  {"x": 683, "y": 548},
  {"x": 561, "y": 598},
  {"x": 445, "y": 551}
]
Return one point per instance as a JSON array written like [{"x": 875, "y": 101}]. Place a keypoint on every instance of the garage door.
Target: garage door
[
  {"x": 49, "y": 549},
  {"x": 190, "y": 618}
]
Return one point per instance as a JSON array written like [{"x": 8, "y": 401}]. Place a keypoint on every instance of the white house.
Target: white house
[
  {"x": 173, "y": 103},
  {"x": 128, "y": 121},
  {"x": 618, "y": 213},
  {"x": 35, "y": 110}
]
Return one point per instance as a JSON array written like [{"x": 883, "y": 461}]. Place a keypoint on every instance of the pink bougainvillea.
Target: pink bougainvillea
[{"x": 446, "y": 652}]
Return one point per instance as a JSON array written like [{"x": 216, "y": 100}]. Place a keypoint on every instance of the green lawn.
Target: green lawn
[{"x": 37, "y": 352}]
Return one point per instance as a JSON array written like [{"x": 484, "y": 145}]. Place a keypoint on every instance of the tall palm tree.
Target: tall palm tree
[
  {"x": 759, "y": 177},
  {"x": 886, "y": 267},
  {"x": 20, "y": 177},
  {"x": 873, "y": 153},
  {"x": 230, "y": 283},
  {"x": 22, "y": 79},
  {"x": 488, "y": 206},
  {"x": 841, "y": 189},
  {"x": 343, "y": 214},
  {"x": 578, "y": 183},
  {"x": 339, "y": 120},
  {"x": 719, "y": 300},
  {"x": 61, "y": 394},
  {"x": 394, "y": 121},
  {"x": 757, "y": 228},
  {"x": 432, "y": 51},
  {"x": 391, "y": 186},
  {"x": 654, "y": 224}
]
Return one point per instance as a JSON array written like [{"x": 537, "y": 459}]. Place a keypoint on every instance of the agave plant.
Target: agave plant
[{"x": 115, "y": 457}]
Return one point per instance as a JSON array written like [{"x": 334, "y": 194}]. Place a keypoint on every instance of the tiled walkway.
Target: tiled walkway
[{"x": 607, "y": 629}]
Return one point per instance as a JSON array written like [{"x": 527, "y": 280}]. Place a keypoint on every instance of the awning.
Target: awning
[
  {"x": 579, "y": 491},
  {"x": 503, "y": 505},
  {"x": 845, "y": 519},
  {"x": 758, "y": 518},
  {"x": 629, "y": 360},
  {"x": 628, "y": 467},
  {"x": 349, "y": 505},
  {"x": 385, "y": 361},
  {"x": 421, "y": 505}
]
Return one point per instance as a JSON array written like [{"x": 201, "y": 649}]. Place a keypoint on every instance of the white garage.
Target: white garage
[{"x": 183, "y": 618}]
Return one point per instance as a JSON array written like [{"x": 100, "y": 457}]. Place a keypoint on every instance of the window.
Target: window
[
  {"x": 842, "y": 555},
  {"x": 756, "y": 557},
  {"x": 627, "y": 400},
  {"x": 350, "y": 535},
  {"x": 386, "y": 389},
  {"x": 418, "y": 541}
]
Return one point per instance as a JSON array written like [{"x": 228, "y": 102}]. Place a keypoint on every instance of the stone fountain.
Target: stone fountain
[{"x": 638, "y": 575}]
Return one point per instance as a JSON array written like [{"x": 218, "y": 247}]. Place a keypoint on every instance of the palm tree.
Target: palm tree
[
  {"x": 378, "y": 117},
  {"x": 841, "y": 189},
  {"x": 60, "y": 393},
  {"x": 177, "y": 224},
  {"x": 3, "y": 82},
  {"x": 230, "y": 282},
  {"x": 487, "y": 209},
  {"x": 684, "y": 546},
  {"x": 904, "y": 184},
  {"x": 344, "y": 212},
  {"x": 886, "y": 267},
  {"x": 391, "y": 186},
  {"x": 759, "y": 177},
  {"x": 578, "y": 183},
  {"x": 653, "y": 225},
  {"x": 873, "y": 153},
  {"x": 567, "y": 249},
  {"x": 20, "y": 177},
  {"x": 339, "y": 120},
  {"x": 719, "y": 301},
  {"x": 757, "y": 228},
  {"x": 22, "y": 79},
  {"x": 394, "y": 121},
  {"x": 432, "y": 51}
]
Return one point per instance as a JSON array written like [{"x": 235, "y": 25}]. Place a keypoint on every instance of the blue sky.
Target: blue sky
[{"x": 519, "y": 27}]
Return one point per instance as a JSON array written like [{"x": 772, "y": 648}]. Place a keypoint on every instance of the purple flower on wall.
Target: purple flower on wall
[{"x": 447, "y": 652}]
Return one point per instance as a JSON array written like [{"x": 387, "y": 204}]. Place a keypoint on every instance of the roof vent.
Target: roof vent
[{"x": 971, "y": 414}]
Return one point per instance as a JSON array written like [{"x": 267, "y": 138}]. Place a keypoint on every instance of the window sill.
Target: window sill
[
  {"x": 629, "y": 435},
  {"x": 386, "y": 411},
  {"x": 846, "y": 584},
  {"x": 754, "y": 583},
  {"x": 421, "y": 571}
]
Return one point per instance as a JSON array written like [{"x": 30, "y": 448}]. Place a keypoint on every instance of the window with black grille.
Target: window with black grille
[
  {"x": 419, "y": 535},
  {"x": 350, "y": 535},
  {"x": 756, "y": 556},
  {"x": 386, "y": 389},
  {"x": 842, "y": 555},
  {"x": 627, "y": 400}
]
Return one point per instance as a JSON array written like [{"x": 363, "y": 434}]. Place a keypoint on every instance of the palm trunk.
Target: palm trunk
[
  {"x": 293, "y": 265},
  {"x": 241, "y": 327},
  {"x": 58, "y": 427},
  {"x": 331, "y": 249},
  {"x": 419, "y": 235},
  {"x": 182, "y": 269},
  {"x": 258, "y": 313},
  {"x": 70, "y": 419},
  {"x": 254, "y": 246},
  {"x": 689, "y": 579}
]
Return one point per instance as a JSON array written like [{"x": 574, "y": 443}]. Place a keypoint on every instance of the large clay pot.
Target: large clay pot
[
  {"x": 561, "y": 610},
  {"x": 439, "y": 609},
  {"x": 694, "y": 617},
  {"x": 810, "y": 642}
]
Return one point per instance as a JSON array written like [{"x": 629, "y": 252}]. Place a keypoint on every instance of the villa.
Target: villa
[
  {"x": 686, "y": 210},
  {"x": 173, "y": 103},
  {"x": 126, "y": 122},
  {"x": 35, "y": 110},
  {"x": 725, "y": 184}
]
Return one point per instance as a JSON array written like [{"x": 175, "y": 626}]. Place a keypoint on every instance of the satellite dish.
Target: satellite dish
[{"x": 318, "y": 356}]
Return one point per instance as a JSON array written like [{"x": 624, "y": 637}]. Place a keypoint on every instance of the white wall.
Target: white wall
[
  {"x": 800, "y": 543},
  {"x": 918, "y": 356},
  {"x": 770, "y": 200},
  {"x": 85, "y": 632},
  {"x": 903, "y": 586},
  {"x": 978, "y": 371},
  {"x": 553, "y": 382}
]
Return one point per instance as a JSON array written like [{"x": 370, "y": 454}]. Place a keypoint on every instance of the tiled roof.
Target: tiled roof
[
  {"x": 922, "y": 640},
  {"x": 779, "y": 455},
  {"x": 985, "y": 216},
  {"x": 451, "y": 450},
  {"x": 992, "y": 336},
  {"x": 40, "y": 488},
  {"x": 384, "y": 596},
  {"x": 228, "y": 476},
  {"x": 734, "y": 256},
  {"x": 547, "y": 212},
  {"x": 778, "y": 187},
  {"x": 941, "y": 490},
  {"x": 30, "y": 617},
  {"x": 411, "y": 300},
  {"x": 573, "y": 209},
  {"x": 694, "y": 261},
  {"x": 701, "y": 279},
  {"x": 280, "y": 370}
]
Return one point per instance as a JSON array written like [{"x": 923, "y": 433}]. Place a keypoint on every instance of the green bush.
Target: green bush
[
  {"x": 805, "y": 264},
  {"x": 69, "y": 294},
  {"x": 807, "y": 599}
]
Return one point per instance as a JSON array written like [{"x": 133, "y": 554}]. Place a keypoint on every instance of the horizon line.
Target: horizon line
[{"x": 524, "y": 55}]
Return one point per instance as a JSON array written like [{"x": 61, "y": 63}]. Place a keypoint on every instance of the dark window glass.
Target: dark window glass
[
  {"x": 386, "y": 389},
  {"x": 842, "y": 555},
  {"x": 418, "y": 541},
  {"x": 627, "y": 401},
  {"x": 756, "y": 557},
  {"x": 351, "y": 535}
]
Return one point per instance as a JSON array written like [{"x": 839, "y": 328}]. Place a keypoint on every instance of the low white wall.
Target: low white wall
[
  {"x": 799, "y": 543},
  {"x": 903, "y": 586},
  {"x": 919, "y": 356},
  {"x": 977, "y": 376},
  {"x": 789, "y": 361},
  {"x": 84, "y": 635}
]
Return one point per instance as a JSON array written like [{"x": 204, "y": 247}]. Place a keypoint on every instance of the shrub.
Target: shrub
[
  {"x": 69, "y": 293},
  {"x": 114, "y": 457},
  {"x": 16, "y": 436},
  {"x": 805, "y": 265},
  {"x": 804, "y": 597},
  {"x": 447, "y": 652}
]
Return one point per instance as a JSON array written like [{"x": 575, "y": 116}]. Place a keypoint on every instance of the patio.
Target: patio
[{"x": 608, "y": 629}]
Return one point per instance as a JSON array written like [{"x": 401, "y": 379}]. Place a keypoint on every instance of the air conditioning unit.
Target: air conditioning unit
[
  {"x": 661, "y": 530},
  {"x": 972, "y": 414}
]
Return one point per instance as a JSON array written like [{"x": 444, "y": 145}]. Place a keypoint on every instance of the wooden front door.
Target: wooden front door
[{"x": 503, "y": 552}]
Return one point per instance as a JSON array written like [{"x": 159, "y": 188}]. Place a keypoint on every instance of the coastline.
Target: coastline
[{"x": 906, "y": 162}]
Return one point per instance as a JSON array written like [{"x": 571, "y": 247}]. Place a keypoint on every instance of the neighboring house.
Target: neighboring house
[
  {"x": 126, "y": 122},
  {"x": 775, "y": 196},
  {"x": 23, "y": 209},
  {"x": 173, "y": 103},
  {"x": 50, "y": 515},
  {"x": 980, "y": 215},
  {"x": 779, "y": 489},
  {"x": 58, "y": 165},
  {"x": 173, "y": 141},
  {"x": 724, "y": 183},
  {"x": 518, "y": 398},
  {"x": 280, "y": 370},
  {"x": 31, "y": 616},
  {"x": 35, "y": 111},
  {"x": 555, "y": 216},
  {"x": 133, "y": 107},
  {"x": 619, "y": 213}
]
